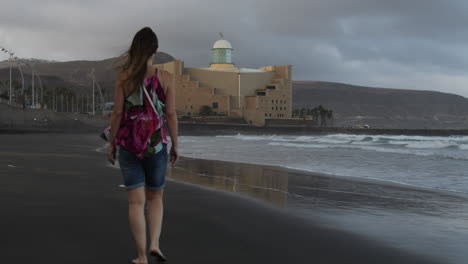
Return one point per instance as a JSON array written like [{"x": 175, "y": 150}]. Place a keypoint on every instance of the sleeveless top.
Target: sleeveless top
[{"x": 142, "y": 130}]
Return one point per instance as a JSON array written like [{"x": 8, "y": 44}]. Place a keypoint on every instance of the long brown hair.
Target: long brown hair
[{"x": 144, "y": 45}]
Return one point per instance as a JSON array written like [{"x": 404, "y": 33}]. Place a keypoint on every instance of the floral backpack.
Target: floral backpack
[{"x": 142, "y": 129}]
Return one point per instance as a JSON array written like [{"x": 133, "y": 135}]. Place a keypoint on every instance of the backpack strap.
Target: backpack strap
[{"x": 149, "y": 99}]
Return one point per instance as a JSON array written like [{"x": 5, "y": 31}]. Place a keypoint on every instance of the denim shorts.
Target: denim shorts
[{"x": 149, "y": 172}]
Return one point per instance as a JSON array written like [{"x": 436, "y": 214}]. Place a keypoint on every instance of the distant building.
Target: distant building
[{"x": 253, "y": 94}]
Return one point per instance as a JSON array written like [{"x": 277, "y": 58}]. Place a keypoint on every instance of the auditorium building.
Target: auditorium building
[{"x": 230, "y": 91}]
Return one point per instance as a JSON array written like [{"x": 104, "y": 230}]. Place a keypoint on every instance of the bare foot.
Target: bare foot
[
  {"x": 140, "y": 260},
  {"x": 153, "y": 249},
  {"x": 157, "y": 253}
]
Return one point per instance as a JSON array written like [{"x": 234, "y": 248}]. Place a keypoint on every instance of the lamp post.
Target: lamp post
[
  {"x": 100, "y": 95},
  {"x": 32, "y": 84},
  {"x": 93, "y": 78},
  {"x": 35, "y": 95},
  {"x": 22, "y": 80},
  {"x": 94, "y": 103},
  {"x": 42, "y": 91},
  {"x": 9, "y": 52}
]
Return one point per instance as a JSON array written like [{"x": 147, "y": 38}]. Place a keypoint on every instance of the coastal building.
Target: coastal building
[{"x": 230, "y": 91}]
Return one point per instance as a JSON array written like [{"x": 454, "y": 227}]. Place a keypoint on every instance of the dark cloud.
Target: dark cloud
[{"x": 418, "y": 44}]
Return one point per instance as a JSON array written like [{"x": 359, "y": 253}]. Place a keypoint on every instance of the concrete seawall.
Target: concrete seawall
[{"x": 16, "y": 119}]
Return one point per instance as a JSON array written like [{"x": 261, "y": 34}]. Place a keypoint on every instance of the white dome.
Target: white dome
[{"x": 222, "y": 44}]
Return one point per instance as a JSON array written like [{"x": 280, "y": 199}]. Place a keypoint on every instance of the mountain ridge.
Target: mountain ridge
[{"x": 383, "y": 107}]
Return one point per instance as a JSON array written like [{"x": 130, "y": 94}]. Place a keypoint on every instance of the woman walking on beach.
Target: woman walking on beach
[{"x": 144, "y": 102}]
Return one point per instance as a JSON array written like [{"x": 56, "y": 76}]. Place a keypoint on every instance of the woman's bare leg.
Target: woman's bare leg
[
  {"x": 136, "y": 215},
  {"x": 155, "y": 217}
]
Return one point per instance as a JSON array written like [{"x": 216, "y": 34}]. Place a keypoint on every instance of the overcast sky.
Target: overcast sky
[{"x": 411, "y": 44}]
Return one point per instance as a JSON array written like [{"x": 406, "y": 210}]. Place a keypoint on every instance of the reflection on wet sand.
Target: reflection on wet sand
[
  {"x": 260, "y": 182},
  {"x": 292, "y": 188}
]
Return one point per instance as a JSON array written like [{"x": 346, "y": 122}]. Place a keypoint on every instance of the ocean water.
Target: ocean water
[
  {"x": 408, "y": 192},
  {"x": 422, "y": 161}
]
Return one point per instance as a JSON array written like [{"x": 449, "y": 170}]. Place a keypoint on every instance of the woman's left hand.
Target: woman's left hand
[{"x": 111, "y": 154}]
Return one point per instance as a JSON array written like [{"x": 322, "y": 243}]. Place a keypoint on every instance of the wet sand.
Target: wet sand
[
  {"x": 61, "y": 204},
  {"x": 284, "y": 187}
]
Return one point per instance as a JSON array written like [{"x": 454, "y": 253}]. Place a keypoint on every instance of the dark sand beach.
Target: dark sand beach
[{"x": 61, "y": 203}]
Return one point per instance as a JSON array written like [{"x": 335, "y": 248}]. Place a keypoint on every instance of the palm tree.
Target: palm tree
[
  {"x": 321, "y": 115},
  {"x": 206, "y": 110},
  {"x": 330, "y": 116},
  {"x": 315, "y": 112}
]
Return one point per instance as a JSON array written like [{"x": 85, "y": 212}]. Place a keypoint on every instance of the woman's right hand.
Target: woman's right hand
[
  {"x": 111, "y": 154},
  {"x": 173, "y": 155}
]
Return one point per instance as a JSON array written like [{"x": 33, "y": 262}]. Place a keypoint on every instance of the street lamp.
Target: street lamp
[
  {"x": 42, "y": 90},
  {"x": 35, "y": 96},
  {"x": 33, "y": 105},
  {"x": 9, "y": 60},
  {"x": 93, "y": 78},
  {"x": 22, "y": 79},
  {"x": 32, "y": 84}
]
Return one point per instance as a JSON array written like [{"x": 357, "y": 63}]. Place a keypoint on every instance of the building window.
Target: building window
[
  {"x": 261, "y": 93},
  {"x": 276, "y": 108},
  {"x": 271, "y": 87},
  {"x": 270, "y": 114},
  {"x": 266, "y": 114},
  {"x": 272, "y": 108},
  {"x": 276, "y": 101},
  {"x": 215, "y": 105},
  {"x": 191, "y": 107},
  {"x": 189, "y": 113},
  {"x": 272, "y": 101}
]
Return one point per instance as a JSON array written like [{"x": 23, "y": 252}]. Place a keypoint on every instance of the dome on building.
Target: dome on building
[
  {"x": 222, "y": 53},
  {"x": 222, "y": 44}
]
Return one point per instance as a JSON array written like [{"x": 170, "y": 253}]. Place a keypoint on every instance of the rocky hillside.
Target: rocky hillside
[
  {"x": 75, "y": 73},
  {"x": 379, "y": 107}
]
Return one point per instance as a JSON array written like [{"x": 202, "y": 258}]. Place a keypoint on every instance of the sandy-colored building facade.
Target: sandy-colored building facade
[{"x": 253, "y": 94}]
